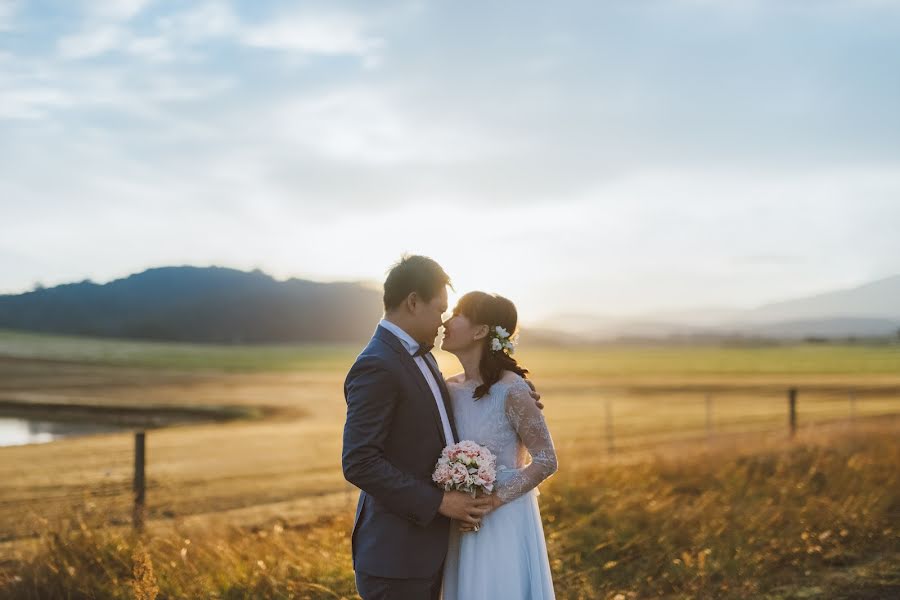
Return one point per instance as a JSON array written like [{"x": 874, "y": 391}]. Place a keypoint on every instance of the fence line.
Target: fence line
[
  {"x": 709, "y": 425},
  {"x": 110, "y": 495}
]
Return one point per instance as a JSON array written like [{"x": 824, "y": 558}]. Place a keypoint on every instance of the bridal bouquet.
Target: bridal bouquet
[{"x": 466, "y": 467}]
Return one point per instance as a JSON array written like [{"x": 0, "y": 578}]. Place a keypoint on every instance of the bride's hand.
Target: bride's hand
[
  {"x": 496, "y": 503},
  {"x": 466, "y": 527}
]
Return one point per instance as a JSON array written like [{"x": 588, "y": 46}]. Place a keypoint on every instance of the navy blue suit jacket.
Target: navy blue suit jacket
[{"x": 392, "y": 439}]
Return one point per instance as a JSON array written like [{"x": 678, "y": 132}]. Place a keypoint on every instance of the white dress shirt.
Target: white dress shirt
[{"x": 412, "y": 346}]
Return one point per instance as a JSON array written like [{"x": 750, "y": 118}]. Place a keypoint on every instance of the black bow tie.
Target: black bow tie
[{"x": 423, "y": 350}]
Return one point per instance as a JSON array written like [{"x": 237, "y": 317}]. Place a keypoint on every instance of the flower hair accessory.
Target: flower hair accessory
[{"x": 501, "y": 341}]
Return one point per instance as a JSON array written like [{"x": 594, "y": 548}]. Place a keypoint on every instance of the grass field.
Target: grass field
[
  {"x": 283, "y": 471},
  {"x": 814, "y": 518}
]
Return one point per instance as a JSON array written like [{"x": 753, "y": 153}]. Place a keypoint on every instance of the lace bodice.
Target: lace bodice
[{"x": 509, "y": 424}]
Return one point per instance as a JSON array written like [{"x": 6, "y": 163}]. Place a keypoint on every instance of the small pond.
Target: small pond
[{"x": 15, "y": 431}]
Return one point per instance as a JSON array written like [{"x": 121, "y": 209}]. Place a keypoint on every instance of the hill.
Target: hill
[{"x": 199, "y": 304}]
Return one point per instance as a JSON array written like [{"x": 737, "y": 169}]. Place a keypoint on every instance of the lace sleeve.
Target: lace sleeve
[{"x": 528, "y": 421}]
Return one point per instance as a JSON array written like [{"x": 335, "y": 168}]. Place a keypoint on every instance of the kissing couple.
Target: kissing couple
[{"x": 412, "y": 539}]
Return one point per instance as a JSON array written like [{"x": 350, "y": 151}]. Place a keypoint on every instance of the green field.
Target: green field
[
  {"x": 640, "y": 361},
  {"x": 284, "y": 470},
  {"x": 169, "y": 355}
]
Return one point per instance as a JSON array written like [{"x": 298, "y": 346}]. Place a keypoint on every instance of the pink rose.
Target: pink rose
[{"x": 459, "y": 473}]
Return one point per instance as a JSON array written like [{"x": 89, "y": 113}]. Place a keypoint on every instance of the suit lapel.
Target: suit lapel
[
  {"x": 413, "y": 369},
  {"x": 415, "y": 373},
  {"x": 445, "y": 394}
]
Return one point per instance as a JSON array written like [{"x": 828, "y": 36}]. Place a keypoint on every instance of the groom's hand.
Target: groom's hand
[
  {"x": 465, "y": 508},
  {"x": 535, "y": 395}
]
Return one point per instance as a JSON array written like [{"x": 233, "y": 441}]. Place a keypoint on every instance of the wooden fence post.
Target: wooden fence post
[
  {"x": 792, "y": 408},
  {"x": 139, "y": 482}
]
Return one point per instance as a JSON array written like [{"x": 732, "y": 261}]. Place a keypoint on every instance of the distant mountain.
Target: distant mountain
[
  {"x": 870, "y": 310},
  {"x": 878, "y": 299},
  {"x": 826, "y": 328},
  {"x": 199, "y": 304}
]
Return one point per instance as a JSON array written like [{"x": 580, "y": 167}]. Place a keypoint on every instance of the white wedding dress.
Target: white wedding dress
[{"x": 506, "y": 559}]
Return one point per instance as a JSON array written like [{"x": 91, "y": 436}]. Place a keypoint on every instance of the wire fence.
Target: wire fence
[
  {"x": 694, "y": 416},
  {"x": 123, "y": 486}
]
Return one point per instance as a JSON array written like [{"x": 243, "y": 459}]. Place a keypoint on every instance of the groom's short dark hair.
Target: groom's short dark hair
[{"x": 414, "y": 273}]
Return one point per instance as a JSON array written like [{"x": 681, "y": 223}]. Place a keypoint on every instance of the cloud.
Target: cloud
[
  {"x": 318, "y": 34},
  {"x": 71, "y": 99},
  {"x": 90, "y": 43},
  {"x": 31, "y": 102},
  {"x": 8, "y": 10},
  {"x": 104, "y": 29},
  {"x": 306, "y": 33},
  {"x": 765, "y": 260},
  {"x": 114, "y": 10},
  {"x": 199, "y": 23},
  {"x": 152, "y": 48},
  {"x": 369, "y": 125},
  {"x": 171, "y": 34},
  {"x": 303, "y": 34}
]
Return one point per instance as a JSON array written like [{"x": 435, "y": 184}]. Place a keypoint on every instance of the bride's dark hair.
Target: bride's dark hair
[{"x": 491, "y": 310}]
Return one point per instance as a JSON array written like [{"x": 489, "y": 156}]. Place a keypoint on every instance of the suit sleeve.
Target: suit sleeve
[{"x": 372, "y": 396}]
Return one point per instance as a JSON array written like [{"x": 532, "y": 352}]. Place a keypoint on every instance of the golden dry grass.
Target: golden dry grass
[{"x": 815, "y": 517}]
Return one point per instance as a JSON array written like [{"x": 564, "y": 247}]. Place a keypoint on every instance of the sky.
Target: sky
[{"x": 602, "y": 157}]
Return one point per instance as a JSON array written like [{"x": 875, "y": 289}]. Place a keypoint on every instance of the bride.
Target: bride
[{"x": 506, "y": 556}]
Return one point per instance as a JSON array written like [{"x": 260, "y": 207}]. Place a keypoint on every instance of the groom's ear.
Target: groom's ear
[{"x": 412, "y": 299}]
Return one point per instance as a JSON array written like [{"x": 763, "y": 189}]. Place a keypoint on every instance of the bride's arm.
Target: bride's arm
[{"x": 528, "y": 421}]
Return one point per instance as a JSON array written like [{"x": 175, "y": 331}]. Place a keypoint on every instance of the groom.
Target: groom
[{"x": 399, "y": 419}]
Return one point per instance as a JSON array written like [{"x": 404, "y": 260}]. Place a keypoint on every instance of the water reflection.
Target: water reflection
[{"x": 16, "y": 431}]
